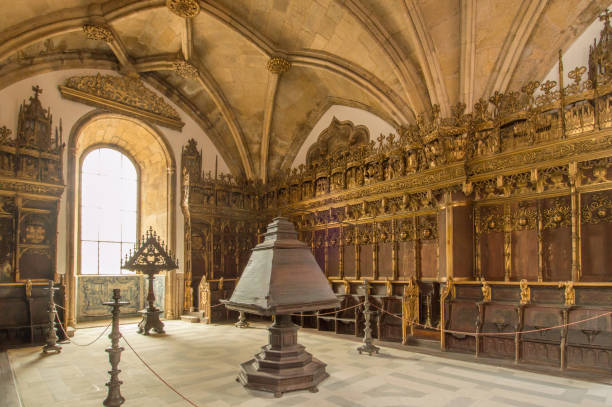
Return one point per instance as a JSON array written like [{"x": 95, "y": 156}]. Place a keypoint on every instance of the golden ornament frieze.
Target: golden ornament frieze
[
  {"x": 122, "y": 94},
  {"x": 184, "y": 8},
  {"x": 37, "y": 188}
]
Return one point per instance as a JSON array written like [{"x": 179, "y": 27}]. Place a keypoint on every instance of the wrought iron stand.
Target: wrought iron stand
[
  {"x": 51, "y": 341},
  {"x": 151, "y": 256},
  {"x": 367, "y": 346},
  {"x": 114, "y": 398}
]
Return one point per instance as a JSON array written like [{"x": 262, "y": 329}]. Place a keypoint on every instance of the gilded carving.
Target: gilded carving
[
  {"x": 598, "y": 210},
  {"x": 5, "y": 134},
  {"x": 558, "y": 215},
  {"x": 184, "y": 8},
  {"x": 569, "y": 293},
  {"x": 486, "y": 290},
  {"x": 98, "y": 32},
  {"x": 410, "y": 306},
  {"x": 122, "y": 93},
  {"x": 525, "y": 292},
  {"x": 525, "y": 217},
  {"x": 595, "y": 171},
  {"x": 448, "y": 292},
  {"x": 278, "y": 65},
  {"x": 185, "y": 69},
  {"x": 491, "y": 219}
]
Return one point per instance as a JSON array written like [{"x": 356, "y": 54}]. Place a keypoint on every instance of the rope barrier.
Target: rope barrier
[
  {"x": 496, "y": 333},
  {"x": 217, "y": 305},
  {"x": 328, "y": 313},
  {"x": 75, "y": 343},
  {"x": 157, "y": 375}
]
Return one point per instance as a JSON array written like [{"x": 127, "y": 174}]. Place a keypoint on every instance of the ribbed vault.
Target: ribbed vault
[{"x": 392, "y": 57}]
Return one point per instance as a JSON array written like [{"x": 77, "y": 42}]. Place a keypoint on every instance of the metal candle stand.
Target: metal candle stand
[
  {"x": 367, "y": 346},
  {"x": 114, "y": 398},
  {"x": 150, "y": 257},
  {"x": 51, "y": 341}
]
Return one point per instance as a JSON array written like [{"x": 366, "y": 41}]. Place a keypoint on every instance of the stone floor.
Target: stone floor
[{"x": 202, "y": 361}]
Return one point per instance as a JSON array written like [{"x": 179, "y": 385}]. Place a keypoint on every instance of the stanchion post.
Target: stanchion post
[
  {"x": 114, "y": 398},
  {"x": 51, "y": 341},
  {"x": 242, "y": 322},
  {"x": 367, "y": 346}
]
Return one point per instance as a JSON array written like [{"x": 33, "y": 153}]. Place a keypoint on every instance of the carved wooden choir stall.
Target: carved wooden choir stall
[
  {"x": 31, "y": 185},
  {"x": 491, "y": 222}
]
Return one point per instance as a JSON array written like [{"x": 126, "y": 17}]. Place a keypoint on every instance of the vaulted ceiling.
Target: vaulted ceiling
[{"x": 266, "y": 70}]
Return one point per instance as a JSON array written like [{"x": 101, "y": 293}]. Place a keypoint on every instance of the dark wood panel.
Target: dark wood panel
[
  {"x": 524, "y": 255},
  {"x": 405, "y": 258}
]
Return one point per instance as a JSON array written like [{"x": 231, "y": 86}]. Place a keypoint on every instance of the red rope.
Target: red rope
[
  {"x": 72, "y": 341},
  {"x": 328, "y": 313},
  {"x": 157, "y": 375},
  {"x": 499, "y": 333}
]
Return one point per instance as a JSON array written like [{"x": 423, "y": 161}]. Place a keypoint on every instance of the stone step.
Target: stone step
[{"x": 190, "y": 318}]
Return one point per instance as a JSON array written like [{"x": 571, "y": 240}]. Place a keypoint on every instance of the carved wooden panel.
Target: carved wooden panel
[
  {"x": 385, "y": 244},
  {"x": 7, "y": 249},
  {"x": 35, "y": 263},
  {"x": 491, "y": 242},
  {"x": 406, "y": 267},
  {"x": 333, "y": 252},
  {"x": 406, "y": 246},
  {"x": 556, "y": 239},
  {"x": 524, "y": 238},
  {"x": 319, "y": 247},
  {"x": 348, "y": 252},
  {"x": 542, "y": 317},
  {"x": 462, "y": 230},
  {"x": 427, "y": 233},
  {"x": 596, "y": 228},
  {"x": 541, "y": 352}
]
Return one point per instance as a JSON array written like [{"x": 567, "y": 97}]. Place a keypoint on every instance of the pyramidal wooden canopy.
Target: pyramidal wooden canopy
[{"x": 282, "y": 276}]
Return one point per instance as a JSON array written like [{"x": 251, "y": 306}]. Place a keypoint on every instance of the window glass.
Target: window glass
[{"x": 109, "y": 210}]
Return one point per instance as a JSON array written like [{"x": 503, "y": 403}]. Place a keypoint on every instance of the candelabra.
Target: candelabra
[
  {"x": 114, "y": 397},
  {"x": 51, "y": 341},
  {"x": 367, "y": 346}
]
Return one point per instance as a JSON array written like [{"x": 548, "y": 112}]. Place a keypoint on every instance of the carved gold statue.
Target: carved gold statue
[
  {"x": 525, "y": 292},
  {"x": 486, "y": 290}
]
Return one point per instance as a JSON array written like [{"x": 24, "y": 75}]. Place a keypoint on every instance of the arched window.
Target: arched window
[{"x": 108, "y": 211}]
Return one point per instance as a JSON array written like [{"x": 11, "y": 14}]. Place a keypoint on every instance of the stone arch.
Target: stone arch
[{"x": 154, "y": 159}]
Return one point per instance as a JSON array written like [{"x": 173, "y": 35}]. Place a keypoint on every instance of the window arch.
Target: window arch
[
  {"x": 108, "y": 210},
  {"x": 153, "y": 156}
]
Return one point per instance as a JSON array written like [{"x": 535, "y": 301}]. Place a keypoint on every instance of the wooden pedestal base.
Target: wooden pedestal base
[
  {"x": 283, "y": 365},
  {"x": 150, "y": 320}
]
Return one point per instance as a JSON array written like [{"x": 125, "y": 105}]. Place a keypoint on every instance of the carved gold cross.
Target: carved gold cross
[{"x": 37, "y": 90}]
